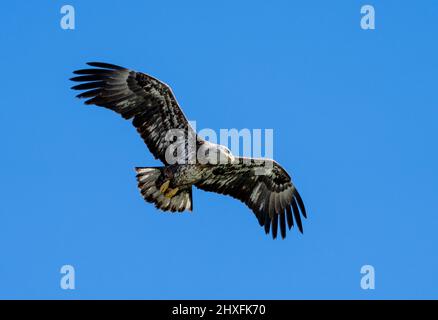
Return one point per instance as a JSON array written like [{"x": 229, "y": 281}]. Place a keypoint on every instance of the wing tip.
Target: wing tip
[
  {"x": 105, "y": 65},
  {"x": 300, "y": 202}
]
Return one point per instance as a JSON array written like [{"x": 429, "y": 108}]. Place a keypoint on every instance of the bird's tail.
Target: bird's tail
[{"x": 155, "y": 189}]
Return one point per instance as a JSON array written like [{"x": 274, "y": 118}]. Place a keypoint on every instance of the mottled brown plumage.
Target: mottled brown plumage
[{"x": 264, "y": 186}]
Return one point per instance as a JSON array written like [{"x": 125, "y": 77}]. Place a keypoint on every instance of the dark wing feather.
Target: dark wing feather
[
  {"x": 134, "y": 95},
  {"x": 264, "y": 186}
]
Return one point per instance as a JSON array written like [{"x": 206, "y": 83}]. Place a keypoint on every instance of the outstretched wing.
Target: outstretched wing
[
  {"x": 148, "y": 101},
  {"x": 265, "y": 187}
]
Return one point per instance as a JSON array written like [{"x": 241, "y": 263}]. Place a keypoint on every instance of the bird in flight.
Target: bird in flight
[{"x": 262, "y": 184}]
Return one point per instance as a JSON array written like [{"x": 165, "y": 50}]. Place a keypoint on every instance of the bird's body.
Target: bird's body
[{"x": 262, "y": 184}]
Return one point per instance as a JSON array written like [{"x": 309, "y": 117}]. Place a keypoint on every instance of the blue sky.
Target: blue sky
[{"x": 354, "y": 114}]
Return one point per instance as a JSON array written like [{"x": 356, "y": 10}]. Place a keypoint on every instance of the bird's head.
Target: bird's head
[
  {"x": 215, "y": 154},
  {"x": 225, "y": 154}
]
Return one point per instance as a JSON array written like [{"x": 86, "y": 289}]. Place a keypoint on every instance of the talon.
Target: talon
[
  {"x": 171, "y": 192},
  {"x": 164, "y": 186}
]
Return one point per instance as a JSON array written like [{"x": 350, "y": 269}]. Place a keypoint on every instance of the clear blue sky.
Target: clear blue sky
[{"x": 354, "y": 115}]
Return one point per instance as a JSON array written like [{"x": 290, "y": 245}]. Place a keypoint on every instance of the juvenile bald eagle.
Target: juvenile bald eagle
[{"x": 264, "y": 186}]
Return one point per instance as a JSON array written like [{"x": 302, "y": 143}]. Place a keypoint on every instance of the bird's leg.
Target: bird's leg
[
  {"x": 165, "y": 186},
  {"x": 171, "y": 192},
  {"x": 168, "y": 192}
]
